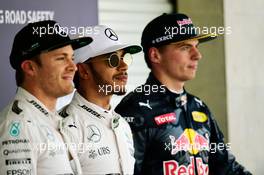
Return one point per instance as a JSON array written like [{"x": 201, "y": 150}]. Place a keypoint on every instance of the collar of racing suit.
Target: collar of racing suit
[
  {"x": 24, "y": 95},
  {"x": 169, "y": 96},
  {"x": 109, "y": 118}
]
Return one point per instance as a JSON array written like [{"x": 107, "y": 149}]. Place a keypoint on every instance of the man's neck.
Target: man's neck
[
  {"x": 48, "y": 101},
  {"x": 169, "y": 82},
  {"x": 96, "y": 98}
]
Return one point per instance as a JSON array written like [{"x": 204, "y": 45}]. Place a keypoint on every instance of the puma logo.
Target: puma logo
[
  {"x": 145, "y": 104},
  {"x": 72, "y": 125},
  {"x": 199, "y": 101}
]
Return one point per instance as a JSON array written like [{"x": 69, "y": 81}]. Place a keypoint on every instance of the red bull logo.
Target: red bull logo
[
  {"x": 172, "y": 167},
  {"x": 190, "y": 141},
  {"x": 184, "y": 21}
]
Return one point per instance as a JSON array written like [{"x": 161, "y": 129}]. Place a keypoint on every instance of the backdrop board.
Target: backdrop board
[{"x": 74, "y": 16}]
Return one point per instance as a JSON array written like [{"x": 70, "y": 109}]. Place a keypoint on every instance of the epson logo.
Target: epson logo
[
  {"x": 18, "y": 161},
  {"x": 19, "y": 172}
]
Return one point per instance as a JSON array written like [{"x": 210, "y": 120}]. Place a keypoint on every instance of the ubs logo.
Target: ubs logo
[
  {"x": 94, "y": 134},
  {"x": 111, "y": 34}
]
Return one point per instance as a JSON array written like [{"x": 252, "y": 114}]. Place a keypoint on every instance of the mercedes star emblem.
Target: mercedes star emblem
[{"x": 111, "y": 34}]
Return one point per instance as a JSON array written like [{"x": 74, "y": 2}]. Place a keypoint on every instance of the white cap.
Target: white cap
[{"x": 105, "y": 40}]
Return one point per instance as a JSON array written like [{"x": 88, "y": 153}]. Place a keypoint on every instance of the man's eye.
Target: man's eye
[
  {"x": 185, "y": 47},
  {"x": 60, "y": 58}
]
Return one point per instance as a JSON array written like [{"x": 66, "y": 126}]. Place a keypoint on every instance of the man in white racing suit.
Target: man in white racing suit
[
  {"x": 103, "y": 139},
  {"x": 30, "y": 141}
]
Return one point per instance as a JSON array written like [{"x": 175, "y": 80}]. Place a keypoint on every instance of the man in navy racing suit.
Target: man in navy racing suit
[{"x": 174, "y": 132}]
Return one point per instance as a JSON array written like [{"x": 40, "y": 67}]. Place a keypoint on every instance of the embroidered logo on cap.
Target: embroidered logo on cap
[
  {"x": 111, "y": 34},
  {"x": 184, "y": 21}
]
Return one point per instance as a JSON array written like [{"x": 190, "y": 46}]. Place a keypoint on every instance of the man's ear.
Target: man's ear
[
  {"x": 154, "y": 55},
  {"x": 83, "y": 70},
  {"x": 28, "y": 67}
]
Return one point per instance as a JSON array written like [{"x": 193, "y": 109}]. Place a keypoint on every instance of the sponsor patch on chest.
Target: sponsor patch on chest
[
  {"x": 165, "y": 118},
  {"x": 199, "y": 116}
]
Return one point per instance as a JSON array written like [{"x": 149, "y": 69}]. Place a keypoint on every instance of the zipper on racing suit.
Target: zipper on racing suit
[{"x": 187, "y": 120}]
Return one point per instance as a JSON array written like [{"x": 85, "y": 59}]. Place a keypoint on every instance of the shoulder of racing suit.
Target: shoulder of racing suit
[
  {"x": 21, "y": 113},
  {"x": 152, "y": 110},
  {"x": 71, "y": 118},
  {"x": 15, "y": 110},
  {"x": 130, "y": 110}
]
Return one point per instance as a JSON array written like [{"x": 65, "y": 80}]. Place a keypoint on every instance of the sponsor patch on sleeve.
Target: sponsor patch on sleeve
[
  {"x": 14, "y": 129},
  {"x": 165, "y": 118},
  {"x": 199, "y": 116}
]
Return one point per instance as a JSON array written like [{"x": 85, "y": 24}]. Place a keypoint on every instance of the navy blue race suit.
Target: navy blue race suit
[{"x": 175, "y": 133}]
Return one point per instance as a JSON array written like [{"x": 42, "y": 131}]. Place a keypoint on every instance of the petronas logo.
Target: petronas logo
[{"x": 14, "y": 129}]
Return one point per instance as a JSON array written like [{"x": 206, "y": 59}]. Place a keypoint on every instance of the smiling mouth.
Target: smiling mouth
[
  {"x": 69, "y": 78},
  {"x": 121, "y": 78},
  {"x": 193, "y": 67}
]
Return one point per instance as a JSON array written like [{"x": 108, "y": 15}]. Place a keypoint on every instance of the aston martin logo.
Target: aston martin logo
[
  {"x": 111, "y": 34},
  {"x": 93, "y": 134}
]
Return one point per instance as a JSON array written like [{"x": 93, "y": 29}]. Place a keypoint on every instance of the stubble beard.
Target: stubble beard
[{"x": 104, "y": 86}]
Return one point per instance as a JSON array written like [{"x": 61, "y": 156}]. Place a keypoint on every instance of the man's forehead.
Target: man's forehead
[
  {"x": 121, "y": 51},
  {"x": 118, "y": 52},
  {"x": 66, "y": 50},
  {"x": 187, "y": 42}
]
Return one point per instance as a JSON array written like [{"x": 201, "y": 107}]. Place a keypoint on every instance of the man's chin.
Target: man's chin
[
  {"x": 119, "y": 89},
  {"x": 68, "y": 89},
  {"x": 120, "y": 92}
]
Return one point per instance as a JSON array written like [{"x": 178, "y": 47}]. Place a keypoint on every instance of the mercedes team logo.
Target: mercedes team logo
[
  {"x": 60, "y": 30},
  {"x": 94, "y": 134},
  {"x": 111, "y": 34}
]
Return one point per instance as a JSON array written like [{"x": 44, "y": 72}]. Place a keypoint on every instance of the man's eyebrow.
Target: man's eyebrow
[
  {"x": 64, "y": 54},
  {"x": 182, "y": 44},
  {"x": 108, "y": 54},
  {"x": 186, "y": 44}
]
